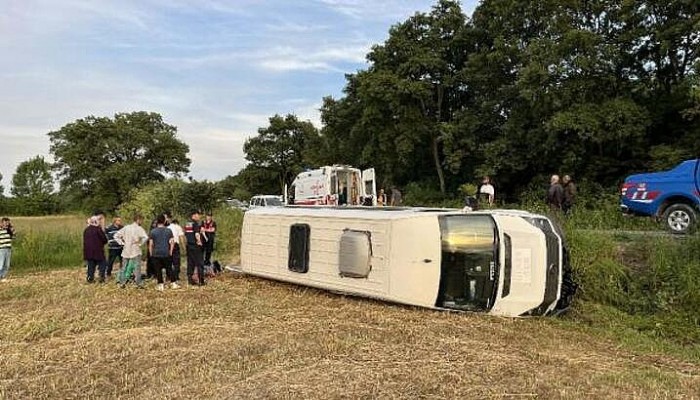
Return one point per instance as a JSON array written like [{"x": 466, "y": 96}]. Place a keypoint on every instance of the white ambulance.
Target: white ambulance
[{"x": 334, "y": 185}]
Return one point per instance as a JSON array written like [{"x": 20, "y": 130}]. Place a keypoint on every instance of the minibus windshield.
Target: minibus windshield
[{"x": 469, "y": 265}]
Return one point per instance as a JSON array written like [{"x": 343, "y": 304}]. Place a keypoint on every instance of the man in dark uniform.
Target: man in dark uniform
[{"x": 194, "y": 248}]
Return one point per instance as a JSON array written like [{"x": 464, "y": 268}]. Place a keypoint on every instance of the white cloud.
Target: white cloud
[
  {"x": 310, "y": 112},
  {"x": 215, "y": 152},
  {"x": 291, "y": 27},
  {"x": 392, "y": 10},
  {"x": 309, "y": 57}
]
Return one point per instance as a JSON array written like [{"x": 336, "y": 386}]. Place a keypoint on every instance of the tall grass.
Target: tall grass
[
  {"x": 646, "y": 283},
  {"x": 45, "y": 243}
]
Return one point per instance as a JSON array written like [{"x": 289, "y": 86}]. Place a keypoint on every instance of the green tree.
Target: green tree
[
  {"x": 524, "y": 89},
  {"x": 571, "y": 87},
  {"x": 280, "y": 147},
  {"x": 201, "y": 195},
  {"x": 102, "y": 159},
  {"x": 33, "y": 187},
  {"x": 412, "y": 94}
]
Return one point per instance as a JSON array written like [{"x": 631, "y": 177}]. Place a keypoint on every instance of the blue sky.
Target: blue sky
[{"x": 216, "y": 69}]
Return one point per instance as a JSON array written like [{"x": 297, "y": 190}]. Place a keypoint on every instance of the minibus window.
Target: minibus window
[
  {"x": 299, "y": 237},
  {"x": 508, "y": 267},
  {"x": 469, "y": 266}
]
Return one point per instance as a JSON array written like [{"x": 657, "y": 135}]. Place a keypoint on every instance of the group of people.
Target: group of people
[
  {"x": 485, "y": 196},
  {"x": 561, "y": 196},
  {"x": 395, "y": 200},
  {"x": 163, "y": 244}
]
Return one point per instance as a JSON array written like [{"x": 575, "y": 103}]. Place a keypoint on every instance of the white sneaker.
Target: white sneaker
[
  {"x": 4, "y": 280},
  {"x": 174, "y": 285},
  {"x": 160, "y": 287}
]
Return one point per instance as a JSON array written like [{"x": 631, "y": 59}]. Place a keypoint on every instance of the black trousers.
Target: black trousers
[
  {"x": 160, "y": 264},
  {"x": 176, "y": 263},
  {"x": 194, "y": 260},
  {"x": 209, "y": 248},
  {"x": 113, "y": 255},
  {"x": 92, "y": 264},
  {"x": 150, "y": 268}
]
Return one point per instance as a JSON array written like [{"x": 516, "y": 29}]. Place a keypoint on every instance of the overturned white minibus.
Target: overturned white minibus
[{"x": 498, "y": 262}]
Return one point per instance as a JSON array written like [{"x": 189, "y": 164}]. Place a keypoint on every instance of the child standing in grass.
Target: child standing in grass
[
  {"x": 7, "y": 233},
  {"x": 132, "y": 237}
]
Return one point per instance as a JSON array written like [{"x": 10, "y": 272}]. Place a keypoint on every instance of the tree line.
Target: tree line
[
  {"x": 521, "y": 89},
  {"x": 518, "y": 90}
]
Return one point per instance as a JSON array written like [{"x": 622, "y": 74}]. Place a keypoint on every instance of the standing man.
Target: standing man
[
  {"x": 94, "y": 240},
  {"x": 131, "y": 237},
  {"x": 396, "y": 198},
  {"x": 179, "y": 239},
  {"x": 569, "y": 194},
  {"x": 161, "y": 246},
  {"x": 209, "y": 229},
  {"x": 486, "y": 191},
  {"x": 114, "y": 249},
  {"x": 555, "y": 194},
  {"x": 7, "y": 233},
  {"x": 194, "y": 248}
]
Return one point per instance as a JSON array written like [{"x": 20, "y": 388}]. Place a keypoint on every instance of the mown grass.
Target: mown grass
[{"x": 243, "y": 337}]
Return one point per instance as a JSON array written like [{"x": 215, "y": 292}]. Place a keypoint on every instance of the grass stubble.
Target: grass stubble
[{"x": 243, "y": 337}]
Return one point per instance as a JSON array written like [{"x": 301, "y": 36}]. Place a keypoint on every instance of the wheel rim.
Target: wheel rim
[{"x": 679, "y": 220}]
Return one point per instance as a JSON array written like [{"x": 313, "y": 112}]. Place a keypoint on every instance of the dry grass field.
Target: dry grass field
[{"x": 242, "y": 337}]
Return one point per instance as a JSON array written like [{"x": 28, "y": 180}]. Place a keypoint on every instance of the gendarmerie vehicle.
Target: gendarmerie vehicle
[{"x": 509, "y": 263}]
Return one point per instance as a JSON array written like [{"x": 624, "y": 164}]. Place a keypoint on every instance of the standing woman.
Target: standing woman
[
  {"x": 7, "y": 233},
  {"x": 94, "y": 240},
  {"x": 209, "y": 229},
  {"x": 381, "y": 198}
]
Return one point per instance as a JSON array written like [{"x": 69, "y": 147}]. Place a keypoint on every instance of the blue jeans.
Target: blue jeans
[
  {"x": 5, "y": 255},
  {"x": 91, "y": 264}
]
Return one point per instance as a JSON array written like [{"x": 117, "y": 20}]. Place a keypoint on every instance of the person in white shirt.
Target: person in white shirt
[
  {"x": 179, "y": 236},
  {"x": 132, "y": 237},
  {"x": 486, "y": 191}
]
